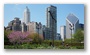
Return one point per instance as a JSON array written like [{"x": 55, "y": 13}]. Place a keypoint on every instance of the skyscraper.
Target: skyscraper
[
  {"x": 81, "y": 26},
  {"x": 51, "y": 22},
  {"x": 63, "y": 32},
  {"x": 26, "y": 15},
  {"x": 15, "y": 24},
  {"x": 72, "y": 24}
]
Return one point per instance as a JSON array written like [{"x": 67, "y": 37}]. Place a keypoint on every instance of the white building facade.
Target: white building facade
[
  {"x": 26, "y": 15},
  {"x": 72, "y": 24},
  {"x": 63, "y": 32}
]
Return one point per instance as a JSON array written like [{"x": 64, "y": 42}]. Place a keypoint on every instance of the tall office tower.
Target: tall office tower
[
  {"x": 72, "y": 24},
  {"x": 63, "y": 32},
  {"x": 51, "y": 22},
  {"x": 26, "y": 15},
  {"x": 15, "y": 24}
]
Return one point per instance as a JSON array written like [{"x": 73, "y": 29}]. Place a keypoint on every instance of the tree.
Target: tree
[
  {"x": 79, "y": 35},
  {"x": 6, "y": 39},
  {"x": 36, "y": 38},
  {"x": 17, "y": 37}
]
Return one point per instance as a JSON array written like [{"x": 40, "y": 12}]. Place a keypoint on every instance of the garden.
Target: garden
[{"x": 26, "y": 40}]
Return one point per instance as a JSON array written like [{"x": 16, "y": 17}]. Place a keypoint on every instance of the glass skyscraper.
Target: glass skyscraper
[{"x": 51, "y": 22}]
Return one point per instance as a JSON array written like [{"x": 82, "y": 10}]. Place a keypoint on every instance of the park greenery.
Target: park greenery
[
  {"x": 79, "y": 36},
  {"x": 27, "y": 40}
]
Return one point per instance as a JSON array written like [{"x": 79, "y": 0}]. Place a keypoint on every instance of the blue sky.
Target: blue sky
[{"x": 38, "y": 12}]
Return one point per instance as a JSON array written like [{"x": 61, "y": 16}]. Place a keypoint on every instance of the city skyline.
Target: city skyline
[{"x": 38, "y": 12}]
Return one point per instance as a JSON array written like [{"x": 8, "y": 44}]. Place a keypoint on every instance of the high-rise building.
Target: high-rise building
[
  {"x": 58, "y": 37},
  {"x": 34, "y": 27},
  {"x": 51, "y": 22},
  {"x": 15, "y": 24},
  {"x": 81, "y": 26},
  {"x": 72, "y": 24},
  {"x": 24, "y": 27},
  {"x": 26, "y": 15},
  {"x": 63, "y": 32},
  {"x": 45, "y": 32}
]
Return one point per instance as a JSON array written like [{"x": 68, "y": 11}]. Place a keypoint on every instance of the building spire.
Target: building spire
[{"x": 26, "y": 9}]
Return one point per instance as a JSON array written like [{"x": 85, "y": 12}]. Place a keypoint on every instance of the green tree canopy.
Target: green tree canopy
[
  {"x": 6, "y": 40},
  {"x": 79, "y": 35},
  {"x": 36, "y": 37}
]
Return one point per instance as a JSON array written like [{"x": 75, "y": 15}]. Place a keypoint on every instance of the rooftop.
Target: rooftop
[{"x": 72, "y": 18}]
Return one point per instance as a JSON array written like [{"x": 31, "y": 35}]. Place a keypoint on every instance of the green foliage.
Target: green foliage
[
  {"x": 46, "y": 44},
  {"x": 80, "y": 47},
  {"x": 47, "y": 41},
  {"x": 41, "y": 46},
  {"x": 79, "y": 36},
  {"x": 6, "y": 40},
  {"x": 36, "y": 38},
  {"x": 67, "y": 40},
  {"x": 70, "y": 40},
  {"x": 56, "y": 42},
  {"x": 5, "y": 36}
]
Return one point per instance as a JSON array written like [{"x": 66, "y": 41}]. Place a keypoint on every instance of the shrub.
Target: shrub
[
  {"x": 17, "y": 37},
  {"x": 79, "y": 35},
  {"x": 36, "y": 38},
  {"x": 6, "y": 39}
]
